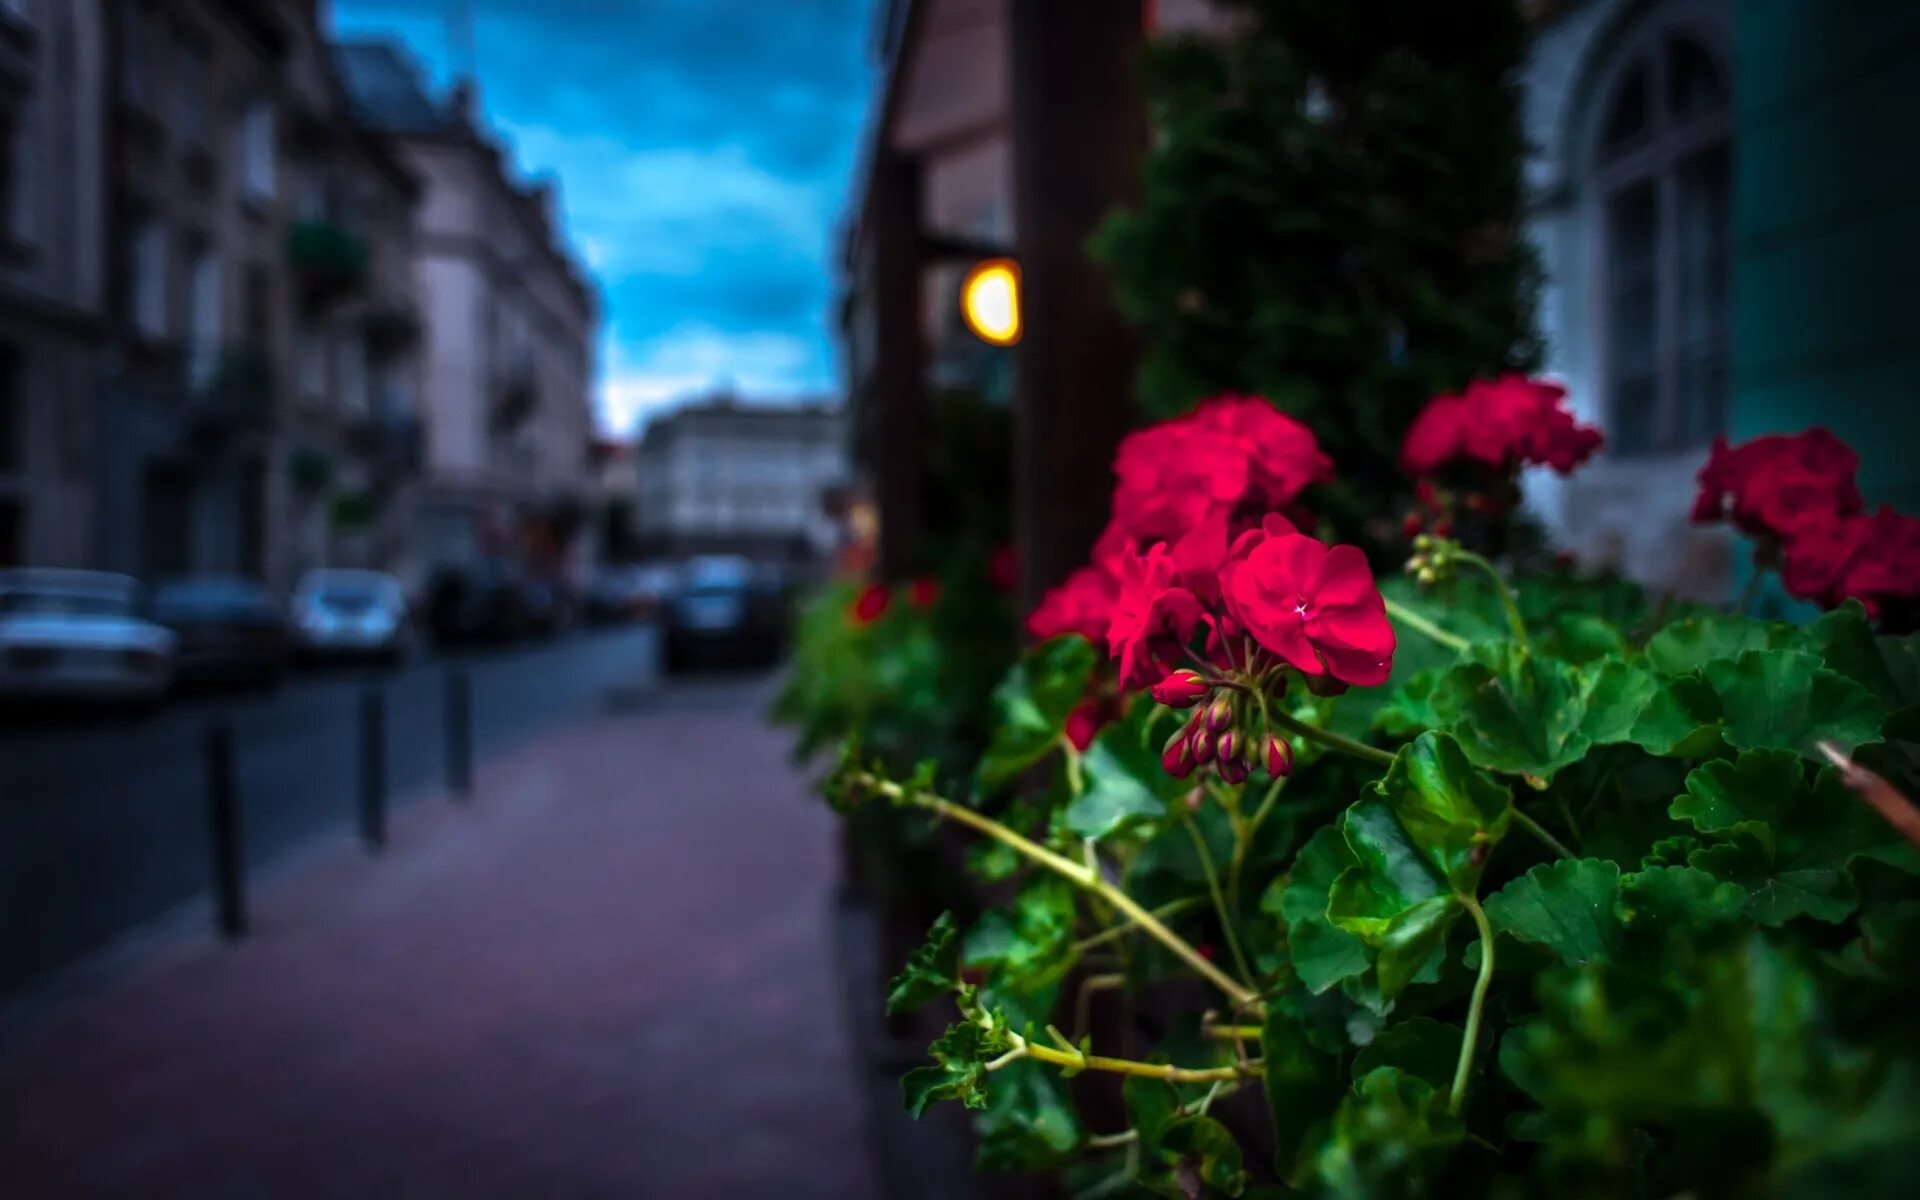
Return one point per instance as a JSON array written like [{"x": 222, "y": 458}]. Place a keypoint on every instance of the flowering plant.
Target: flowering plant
[
  {"x": 1472, "y": 444},
  {"x": 1490, "y": 885}
]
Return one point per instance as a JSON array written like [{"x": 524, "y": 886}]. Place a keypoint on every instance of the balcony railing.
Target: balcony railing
[{"x": 330, "y": 260}]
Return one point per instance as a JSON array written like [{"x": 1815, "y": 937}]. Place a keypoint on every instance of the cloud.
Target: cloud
[{"x": 702, "y": 149}]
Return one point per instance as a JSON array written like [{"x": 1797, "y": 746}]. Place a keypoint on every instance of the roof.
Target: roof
[{"x": 386, "y": 89}]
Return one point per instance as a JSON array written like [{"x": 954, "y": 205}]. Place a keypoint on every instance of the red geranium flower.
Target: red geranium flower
[
  {"x": 1084, "y": 723},
  {"x": 1314, "y": 606},
  {"x": 1875, "y": 560},
  {"x": 871, "y": 603},
  {"x": 1501, "y": 424},
  {"x": 1780, "y": 485},
  {"x": 1082, "y": 605},
  {"x": 1152, "y": 618},
  {"x": 923, "y": 592}
]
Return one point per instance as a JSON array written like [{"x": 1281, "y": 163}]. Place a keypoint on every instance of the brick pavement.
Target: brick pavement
[{"x": 611, "y": 976}]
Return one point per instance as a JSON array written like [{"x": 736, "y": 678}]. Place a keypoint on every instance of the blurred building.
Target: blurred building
[
  {"x": 52, "y": 275},
  {"x": 509, "y": 325},
  {"x": 619, "y": 490},
  {"x": 723, "y": 477},
  {"x": 256, "y": 247},
  {"x": 1728, "y": 244}
]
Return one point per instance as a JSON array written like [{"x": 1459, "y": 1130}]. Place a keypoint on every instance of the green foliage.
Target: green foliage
[
  {"x": 1331, "y": 216},
  {"x": 1713, "y": 990}
]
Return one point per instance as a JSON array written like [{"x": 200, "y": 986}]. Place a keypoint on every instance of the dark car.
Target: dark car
[
  {"x": 725, "y": 610},
  {"x": 479, "y": 603},
  {"x": 230, "y": 629}
]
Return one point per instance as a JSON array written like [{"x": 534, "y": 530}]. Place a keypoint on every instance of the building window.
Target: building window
[
  {"x": 191, "y": 83},
  {"x": 310, "y": 365},
  {"x": 146, "y": 264},
  {"x": 1663, "y": 169},
  {"x": 202, "y": 278},
  {"x": 13, "y": 200},
  {"x": 257, "y": 149}
]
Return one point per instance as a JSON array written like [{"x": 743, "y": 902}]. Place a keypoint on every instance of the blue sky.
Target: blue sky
[{"x": 703, "y": 149}]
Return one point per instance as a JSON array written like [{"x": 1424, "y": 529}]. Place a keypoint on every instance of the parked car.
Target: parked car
[
  {"x": 548, "y": 605},
  {"x": 230, "y": 629},
  {"x": 347, "y": 613},
  {"x": 629, "y": 593},
  {"x": 726, "y": 609},
  {"x": 79, "y": 635},
  {"x": 480, "y": 602}
]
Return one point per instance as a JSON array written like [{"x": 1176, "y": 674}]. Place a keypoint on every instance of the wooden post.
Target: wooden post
[
  {"x": 1079, "y": 129},
  {"x": 898, "y": 382}
]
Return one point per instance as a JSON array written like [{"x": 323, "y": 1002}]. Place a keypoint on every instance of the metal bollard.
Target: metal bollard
[
  {"x": 458, "y": 708},
  {"x": 223, "y": 826},
  {"x": 373, "y": 768}
]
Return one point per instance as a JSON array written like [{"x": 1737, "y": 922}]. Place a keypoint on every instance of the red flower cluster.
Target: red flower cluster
[
  {"x": 1498, "y": 425},
  {"x": 871, "y": 604},
  {"x": 1799, "y": 496},
  {"x": 1199, "y": 565}
]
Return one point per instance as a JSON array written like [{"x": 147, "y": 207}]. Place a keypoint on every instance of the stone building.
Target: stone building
[
  {"x": 258, "y": 296},
  {"x": 723, "y": 477},
  {"x": 52, "y": 274},
  {"x": 508, "y": 332}
]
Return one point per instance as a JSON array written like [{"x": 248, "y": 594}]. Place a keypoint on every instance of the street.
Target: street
[
  {"x": 612, "y": 974},
  {"x": 104, "y": 824}
]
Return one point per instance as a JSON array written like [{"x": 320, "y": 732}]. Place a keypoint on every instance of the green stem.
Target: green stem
[
  {"x": 1233, "y": 1033},
  {"x": 1750, "y": 592},
  {"x": 1022, "y": 1048},
  {"x": 1330, "y": 739},
  {"x": 1082, "y": 876},
  {"x": 1540, "y": 831},
  {"x": 1219, "y": 899},
  {"x": 1507, "y": 601},
  {"x": 1419, "y": 624},
  {"x": 1243, "y": 841},
  {"x": 1476, "y": 1008},
  {"x": 1171, "y": 908},
  {"x": 1076, "y": 780}
]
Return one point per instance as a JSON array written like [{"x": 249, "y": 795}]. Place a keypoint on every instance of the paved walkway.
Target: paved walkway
[{"x": 611, "y": 976}]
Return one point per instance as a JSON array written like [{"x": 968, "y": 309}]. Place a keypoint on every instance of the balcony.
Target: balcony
[
  {"x": 328, "y": 260},
  {"x": 516, "y": 394},
  {"x": 229, "y": 392}
]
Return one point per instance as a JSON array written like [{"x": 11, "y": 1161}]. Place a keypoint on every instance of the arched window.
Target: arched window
[{"x": 1662, "y": 167}]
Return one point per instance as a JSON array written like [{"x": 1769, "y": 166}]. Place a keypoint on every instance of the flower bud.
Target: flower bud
[
  {"x": 1424, "y": 491},
  {"x": 1410, "y": 524},
  {"x": 1194, "y": 800},
  {"x": 1425, "y": 577},
  {"x": 1182, "y": 689},
  {"x": 1423, "y": 543},
  {"x": 1279, "y": 757},
  {"x": 1178, "y": 758},
  {"x": 1443, "y": 527},
  {"x": 1234, "y": 771},
  {"x": 1227, "y": 745},
  {"x": 1220, "y": 714},
  {"x": 1201, "y": 739}
]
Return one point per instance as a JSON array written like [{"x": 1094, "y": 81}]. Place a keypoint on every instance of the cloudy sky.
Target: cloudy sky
[{"x": 703, "y": 149}]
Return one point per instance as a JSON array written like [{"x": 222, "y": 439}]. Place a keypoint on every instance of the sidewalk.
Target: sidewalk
[{"x": 612, "y": 975}]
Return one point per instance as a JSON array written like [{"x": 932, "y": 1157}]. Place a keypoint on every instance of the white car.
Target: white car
[
  {"x": 345, "y": 613},
  {"x": 79, "y": 635}
]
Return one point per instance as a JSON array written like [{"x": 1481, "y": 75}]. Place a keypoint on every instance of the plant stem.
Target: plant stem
[
  {"x": 1124, "y": 1137},
  {"x": 1076, "y": 780},
  {"x": 1751, "y": 590},
  {"x": 1243, "y": 840},
  {"x": 1476, "y": 1008},
  {"x": 1540, "y": 831},
  {"x": 1171, "y": 908},
  {"x": 1077, "y": 873},
  {"x": 1233, "y": 1033},
  {"x": 1419, "y": 624},
  {"x": 1507, "y": 601},
  {"x": 1219, "y": 899},
  {"x": 1130, "y": 1066},
  {"x": 1330, "y": 739}
]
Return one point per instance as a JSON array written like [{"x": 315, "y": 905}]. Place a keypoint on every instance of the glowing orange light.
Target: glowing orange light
[{"x": 990, "y": 301}]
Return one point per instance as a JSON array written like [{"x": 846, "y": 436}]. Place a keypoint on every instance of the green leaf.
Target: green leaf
[
  {"x": 959, "y": 1070},
  {"x": 1028, "y": 1123},
  {"x": 1391, "y": 1136},
  {"x": 1206, "y": 1152},
  {"x": 1409, "y": 709},
  {"x": 931, "y": 972},
  {"x": 1513, "y": 711},
  {"x": 1420, "y": 1046},
  {"x": 1418, "y": 844},
  {"x": 1303, "y": 1085},
  {"x": 1032, "y": 704},
  {"x": 1125, "y": 784},
  {"x": 1684, "y": 645},
  {"x": 1566, "y": 906},
  {"x": 1323, "y": 954},
  {"x": 1784, "y": 699},
  {"x": 1788, "y": 843},
  {"x": 1682, "y": 720},
  {"x": 1031, "y": 947}
]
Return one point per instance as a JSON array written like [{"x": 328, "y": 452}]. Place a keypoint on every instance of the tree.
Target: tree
[{"x": 1330, "y": 217}]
